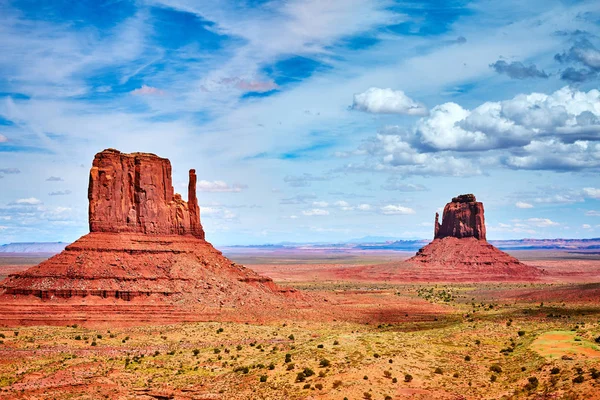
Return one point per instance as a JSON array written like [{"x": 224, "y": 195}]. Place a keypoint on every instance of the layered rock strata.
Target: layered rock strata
[
  {"x": 144, "y": 240},
  {"x": 460, "y": 246}
]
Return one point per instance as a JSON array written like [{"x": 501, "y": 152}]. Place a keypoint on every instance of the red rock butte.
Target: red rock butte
[
  {"x": 144, "y": 240},
  {"x": 460, "y": 250}
]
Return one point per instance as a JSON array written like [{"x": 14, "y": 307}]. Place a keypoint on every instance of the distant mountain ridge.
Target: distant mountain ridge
[
  {"x": 368, "y": 244},
  {"x": 33, "y": 247}
]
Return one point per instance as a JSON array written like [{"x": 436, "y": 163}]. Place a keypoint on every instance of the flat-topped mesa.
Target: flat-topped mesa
[
  {"x": 134, "y": 193},
  {"x": 462, "y": 218}
]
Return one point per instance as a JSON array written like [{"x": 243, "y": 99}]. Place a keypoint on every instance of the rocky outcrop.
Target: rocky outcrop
[
  {"x": 145, "y": 242},
  {"x": 134, "y": 193},
  {"x": 462, "y": 218},
  {"x": 460, "y": 249}
]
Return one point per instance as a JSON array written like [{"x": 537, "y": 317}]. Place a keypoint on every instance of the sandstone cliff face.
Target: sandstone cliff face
[
  {"x": 462, "y": 218},
  {"x": 134, "y": 193}
]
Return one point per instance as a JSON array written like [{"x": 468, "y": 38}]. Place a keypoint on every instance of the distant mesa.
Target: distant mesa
[
  {"x": 460, "y": 250},
  {"x": 144, "y": 241},
  {"x": 462, "y": 218}
]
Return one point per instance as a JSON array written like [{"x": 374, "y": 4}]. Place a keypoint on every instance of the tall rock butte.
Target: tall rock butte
[
  {"x": 133, "y": 193},
  {"x": 460, "y": 249},
  {"x": 463, "y": 217},
  {"x": 144, "y": 241}
]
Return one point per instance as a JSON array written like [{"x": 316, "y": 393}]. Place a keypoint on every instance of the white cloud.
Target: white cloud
[
  {"x": 586, "y": 226},
  {"x": 592, "y": 213},
  {"x": 217, "y": 212},
  {"x": 315, "y": 212},
  {"x": 392, "y": 209},
  {"x": 3, "y": 138},
  {"x": 30, "y": 201},
  {"x": 219, "y": 186},
  {"x": 364, "y": 207},
  {"x": 542, "y": 222},
  {"x": 387, "y": 101},
  {"x": 343, "y": 205},
  {"x": 521, "y": 204},
  {"x": 594, "y": 193},
  {"x": 320, "y": 204}
]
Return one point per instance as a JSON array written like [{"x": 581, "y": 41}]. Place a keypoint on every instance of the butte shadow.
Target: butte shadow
[{"x": 146, "y": 247}]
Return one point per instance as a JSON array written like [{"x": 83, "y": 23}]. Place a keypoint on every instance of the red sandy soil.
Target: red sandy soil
[{"x": 562, "y": 279}]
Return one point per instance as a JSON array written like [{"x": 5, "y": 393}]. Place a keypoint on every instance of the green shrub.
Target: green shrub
[
  {"x": 324, "y": 363},
  {"x": 496, "y": 368},
  {"x": 407, "y": 378},
  {"x": 263, "y": 378},
  {"x": 467, "y": 358},
  {"x": 196, "y": 352},
  {"x": 438, "y": 371},
  {"x": 319, "y": 386},
  {"x": 555, "y": 370},
  {"x": 578, "y": 379},
  {"x": 521, "y": 333}
]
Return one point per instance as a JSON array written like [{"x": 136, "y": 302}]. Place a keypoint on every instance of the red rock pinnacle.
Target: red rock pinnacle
[
  {"x": 134, "y": 193},
  {"x": 463, "y": 217}
]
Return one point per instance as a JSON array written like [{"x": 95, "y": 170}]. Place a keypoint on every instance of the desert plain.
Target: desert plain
[{"x": 374, "y": 334}]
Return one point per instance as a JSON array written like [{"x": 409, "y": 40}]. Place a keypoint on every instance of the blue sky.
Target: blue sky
[{"x": 307, "y": 120}]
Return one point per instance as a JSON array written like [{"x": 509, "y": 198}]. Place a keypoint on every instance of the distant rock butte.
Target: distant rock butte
[
  {"x": 144, "y": 241},
  {"x": 462, "y": 218},
  {"x": 460, "y": 247}
]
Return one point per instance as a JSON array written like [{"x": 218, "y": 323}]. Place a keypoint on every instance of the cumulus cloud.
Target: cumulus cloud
[
  {"x": 219, "y": 186},
  {"x": 60, "y": 193},
  {"x": 387, "y": 101},
  {"x": 518, "y": 70},
  {"x": 593, "y": 193},
  {"x": 146, "y": 90},
  {"x": 343, "y": 205},
  {"x": 315, "y": 212},
  {"x": 10, "y": 170},
  {"x": 392, "y": 209},
  {"x": 364, "y": 207},
  {"x": 521, "y": 204},
  {"x": 54, "y": 179},
  {"x": 542, "y": 222},
  {"x": 558, "y": 132},
  {"x": 30, "y": 201}
]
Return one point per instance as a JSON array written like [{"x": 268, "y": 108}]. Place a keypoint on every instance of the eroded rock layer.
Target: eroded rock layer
[{"x": 126, "y": 266}]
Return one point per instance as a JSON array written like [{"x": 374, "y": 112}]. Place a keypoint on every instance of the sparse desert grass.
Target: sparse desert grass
[{"x": 463, "y": 353}]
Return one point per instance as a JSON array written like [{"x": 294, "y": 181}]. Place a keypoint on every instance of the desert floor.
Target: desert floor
[{"x": 374, "y": 337}]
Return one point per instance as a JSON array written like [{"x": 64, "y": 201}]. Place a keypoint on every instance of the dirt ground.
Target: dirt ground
[{"x": 371, "y": 339}]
